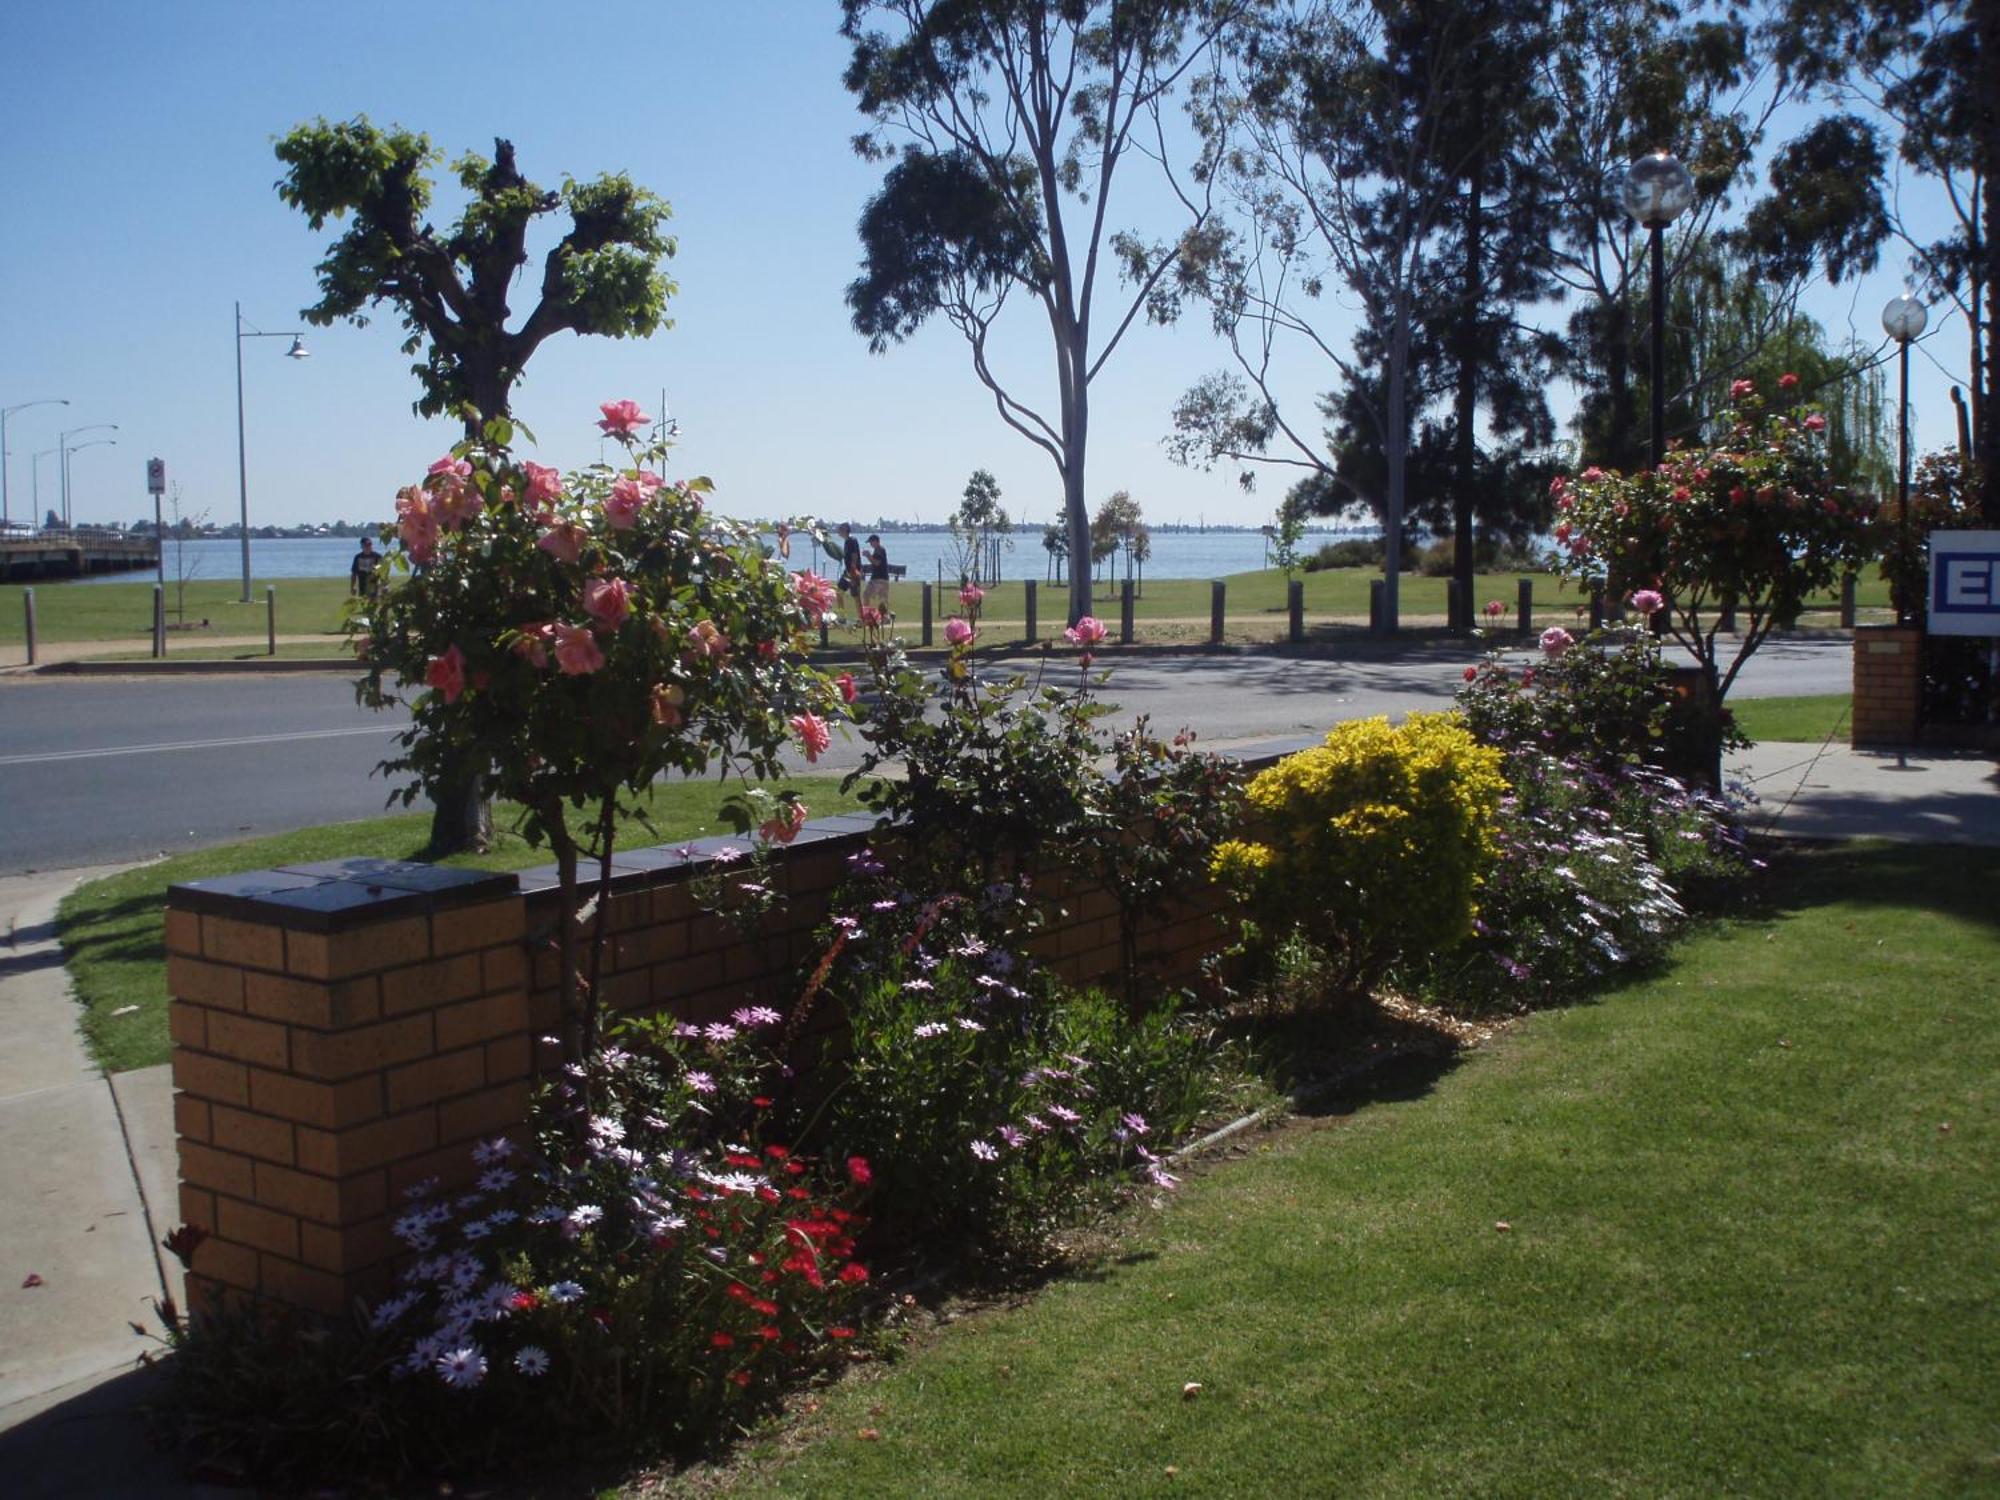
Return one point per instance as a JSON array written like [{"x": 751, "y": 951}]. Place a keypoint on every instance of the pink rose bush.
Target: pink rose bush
[
  {"x": 572, "y": 639},
  {"x": 1755, "y": 522}
]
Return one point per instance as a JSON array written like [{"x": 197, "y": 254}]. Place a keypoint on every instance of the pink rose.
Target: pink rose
[
  {"x": 1556, "y": 640},
  {"x": 1648, "y": 602},
  {"x": 971, "y": 596},
  {"x": 607, "y": 601},
  {"x": 705, "y": 640},
  {"x": 816, "y": 596},
  {"x": 1557, "y": 485},
  {"x": 628, "y": 498},
  {"x": 447, "y": 674},
  {"x": 1788, "y": 382},
  {"x": 667, "y": 700},
  {"x": 957, "y": 632},
  {"x": 564, "y": 541},
  {"x": 813, "y": 734},
  {"x": 845, "y": 682},
  {"x": 1591, "y": 475},
  {"x": 1815, "y": 423},
  {"x": 577, "y": 652},
  {"x": 455, "y": 502},
  {"x": 783, "y": 825},
  {"x": 450, "y": 466},
  {"x": 416, "y": 524},
  {"x": 1085, "y": 632},
  {"x": 871, "y": 616},
  {"x": 544, "y": 488},
  {"x": 622, "y": 418},
  {"x": 533, "y": 643},
  {"x": 1738, "y": 389},
  {"x": 1495, "y": 609}
]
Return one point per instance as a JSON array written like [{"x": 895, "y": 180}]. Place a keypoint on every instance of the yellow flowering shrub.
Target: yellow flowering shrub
[{"x": 1373, "y": 845}]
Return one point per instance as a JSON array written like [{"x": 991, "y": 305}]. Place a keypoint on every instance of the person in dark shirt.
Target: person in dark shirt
[
  {"x": 850, "y": 561},
  {"x": 361, "y": 576}
]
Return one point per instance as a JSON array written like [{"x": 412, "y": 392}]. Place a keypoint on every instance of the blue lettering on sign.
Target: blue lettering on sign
[{"x": 1966, "y": 583}]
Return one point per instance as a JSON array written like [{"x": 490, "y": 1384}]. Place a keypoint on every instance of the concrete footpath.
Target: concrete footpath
[
  {"x": 87, "y": 1168},
  {"x": 88, "y": 1180}
]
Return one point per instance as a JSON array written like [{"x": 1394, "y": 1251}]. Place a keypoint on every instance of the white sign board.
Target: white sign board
[{"x": 1964, "y": 593}]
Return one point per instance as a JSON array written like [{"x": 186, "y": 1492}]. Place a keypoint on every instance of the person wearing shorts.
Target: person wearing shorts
[{"x": 877, "y": 591}]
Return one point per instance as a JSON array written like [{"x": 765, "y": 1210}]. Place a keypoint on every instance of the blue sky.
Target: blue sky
[{"x": 135, "y": 149}]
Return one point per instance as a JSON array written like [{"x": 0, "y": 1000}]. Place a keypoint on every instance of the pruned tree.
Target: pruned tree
[
  {"x": 1007, "y": 126},
  {"x": 451, "y": 286}
]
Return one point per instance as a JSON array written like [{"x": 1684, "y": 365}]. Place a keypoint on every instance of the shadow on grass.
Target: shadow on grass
[{"x": 1953, "y": 880}]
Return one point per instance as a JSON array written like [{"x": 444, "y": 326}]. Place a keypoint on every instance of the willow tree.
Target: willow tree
[
  {"x": 451, "y": 286},
  {"x": 1006, "y": 126}
]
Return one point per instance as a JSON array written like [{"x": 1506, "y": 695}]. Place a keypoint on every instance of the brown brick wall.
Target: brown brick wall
[
  {"x": 322, "y": 1069},
  {"x": 1888, "y": 685}
]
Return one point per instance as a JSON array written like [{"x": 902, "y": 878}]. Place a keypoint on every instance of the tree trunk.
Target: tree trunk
[
  {"x": 1617, "y": 451},
  {"x": 1076, "y": 426},
  {"x": 1986, "y": 257},
  {"x": 461, "y": 819},
  {"x": 1396, "y": 442},
  {"x": 461, "y": 815},
  {"x": 1465, "y": 479}
]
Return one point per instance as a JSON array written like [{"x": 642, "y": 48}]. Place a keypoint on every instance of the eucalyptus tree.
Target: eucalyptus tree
[
  {"x": 1006, "y": 127},
  {"x": 1928, "y": 70},
  {"x": 1346, "y": 143}
]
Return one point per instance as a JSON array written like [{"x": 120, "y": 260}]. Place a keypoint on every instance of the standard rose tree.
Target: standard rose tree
[
  {"x": 573, "y": 639},
  {"x": 1753, "y": 525}
]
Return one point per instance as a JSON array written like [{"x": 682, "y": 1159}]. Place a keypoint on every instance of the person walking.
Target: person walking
[{"x": 877, "y": 592}]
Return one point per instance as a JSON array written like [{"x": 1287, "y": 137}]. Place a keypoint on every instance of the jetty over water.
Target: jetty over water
[{"x": 73, "y": 552}]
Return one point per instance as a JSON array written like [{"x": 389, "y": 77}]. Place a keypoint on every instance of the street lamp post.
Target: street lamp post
[
  {"x": 1903, "y": 319},
  {"x": 69, "y": 453},
  {"x": 1655, "y": 191},
  {"x": 297, "y": 351},
  {"x": 65, "y": 448},
  {"x": 6, "y": 515},
  {"x": 36, "y": 466}
]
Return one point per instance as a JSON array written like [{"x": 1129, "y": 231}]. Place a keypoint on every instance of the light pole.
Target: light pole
[
  {"x": 37, "y": 467},
  {"x": 1655, "y": 191},
  {"x": 64, "y": 446},
  {"x": 1903, "y": 319},
  {"x": 6, "y": 515},
  {"x": 297, "y": 351},
  {"x": 68, "y": 454}
]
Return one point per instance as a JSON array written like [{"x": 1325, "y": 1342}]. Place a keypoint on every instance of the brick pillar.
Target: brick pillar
[
  {"x": 1888, "y": 685},
  {"x": 340, "y": 1030}
]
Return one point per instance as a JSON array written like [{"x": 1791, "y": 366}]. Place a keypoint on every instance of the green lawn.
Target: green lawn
[
  {"x": 111, "y": 928},
  {"x": 1809, "y": 719},
  {"x": 1728, "y": 1231},
  {"x": 124, "y": 611},
  {"x": 1166, "y": 608}
]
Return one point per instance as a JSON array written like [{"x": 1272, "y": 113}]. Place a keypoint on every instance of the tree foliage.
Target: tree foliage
[
  {"x": 1006, "y": 124},
  {"x": 451, "y": 286}
]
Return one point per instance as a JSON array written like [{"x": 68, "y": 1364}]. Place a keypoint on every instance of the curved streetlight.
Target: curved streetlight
[
  {"x": 1655, "y": 191},
  {"x": 297, "y": 351},
  {"x": 66, "y": 448},
  {"x": 68, "y": 454},
  {"x": 6, "y": 516},
  {"x": 36, "y": 466},
  {"x": 1903, "y": 319}
]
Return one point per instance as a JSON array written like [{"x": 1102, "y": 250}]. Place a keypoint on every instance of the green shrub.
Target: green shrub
[
  {"x": 990, "y": 1099},
  {"x": 1377, "y": 842},
  {"x": 1352, "y": 553}
]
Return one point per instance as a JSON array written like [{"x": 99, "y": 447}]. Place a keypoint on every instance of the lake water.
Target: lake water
[{"x": 927, "y": 554}]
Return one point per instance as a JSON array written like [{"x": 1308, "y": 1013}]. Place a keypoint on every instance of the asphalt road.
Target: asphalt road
[{"x": 103, "y": 770}]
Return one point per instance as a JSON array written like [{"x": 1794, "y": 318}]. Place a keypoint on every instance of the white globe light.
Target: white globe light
[
  {"x": 1656, "y": 189},
  {"x": 1904, "y": 318}
]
